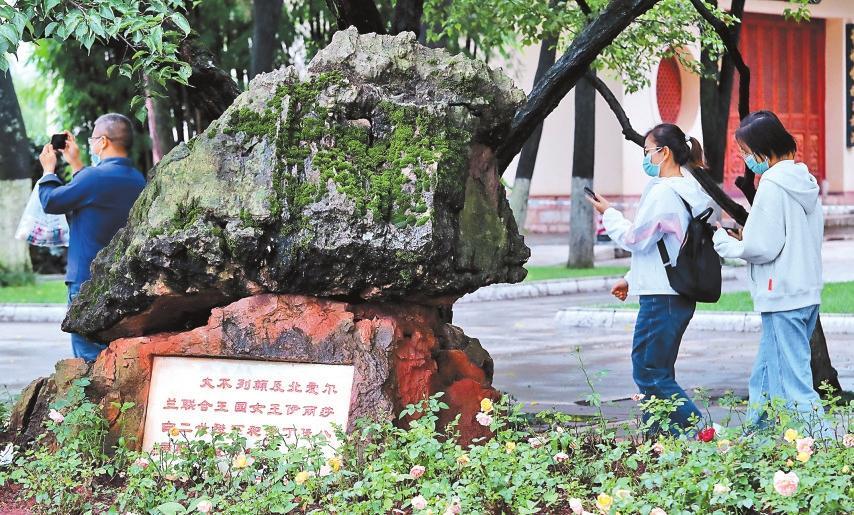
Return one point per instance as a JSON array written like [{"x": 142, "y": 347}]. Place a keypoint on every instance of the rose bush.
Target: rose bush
[{"x": 546, "y": 462}]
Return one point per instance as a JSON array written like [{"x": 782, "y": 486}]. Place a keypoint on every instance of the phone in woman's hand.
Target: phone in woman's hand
[{"x": 590, "y": 193}]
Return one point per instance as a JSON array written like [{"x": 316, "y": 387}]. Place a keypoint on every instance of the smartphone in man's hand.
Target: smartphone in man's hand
[{"x": 58, "y": 141}]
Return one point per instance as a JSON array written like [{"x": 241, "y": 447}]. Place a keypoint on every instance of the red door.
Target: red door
[{"x": 786, "y": 61}]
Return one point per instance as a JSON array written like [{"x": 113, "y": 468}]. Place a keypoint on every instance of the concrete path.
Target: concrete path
[{"x": 537, "y": 362}]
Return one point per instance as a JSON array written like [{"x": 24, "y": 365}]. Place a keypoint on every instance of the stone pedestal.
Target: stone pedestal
[{"x": 401, "y": 354}]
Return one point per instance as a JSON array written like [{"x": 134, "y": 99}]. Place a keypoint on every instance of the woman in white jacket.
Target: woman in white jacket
[
  {"x": 781, "y": 241},
  {"x": 670, "y": 198}
]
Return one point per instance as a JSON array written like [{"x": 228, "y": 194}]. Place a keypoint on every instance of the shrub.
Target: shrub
[{"x": 545, "y": 463}]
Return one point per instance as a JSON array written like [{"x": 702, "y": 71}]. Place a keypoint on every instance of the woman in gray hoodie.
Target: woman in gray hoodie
[{"x": 781, "y": 242}]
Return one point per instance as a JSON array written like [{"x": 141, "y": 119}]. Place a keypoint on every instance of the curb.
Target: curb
[
  {"x": 725, "y": 321},
  {"x": 32, "y": 313},
  {"x": 554, "y": 287}
]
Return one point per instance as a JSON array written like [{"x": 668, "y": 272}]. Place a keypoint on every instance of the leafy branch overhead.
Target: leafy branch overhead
[{"x": 151, "y": 37}]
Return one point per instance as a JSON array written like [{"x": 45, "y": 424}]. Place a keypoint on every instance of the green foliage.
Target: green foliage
[
  {"x": 151, "y": 35},
  {"x": 547, "y": 272},
  {"x": 15, "y": 278},
  {"x": 530, "y": 465}
]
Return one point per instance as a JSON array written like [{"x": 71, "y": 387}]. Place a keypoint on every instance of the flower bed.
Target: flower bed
[{"x": 542, "y": 464}]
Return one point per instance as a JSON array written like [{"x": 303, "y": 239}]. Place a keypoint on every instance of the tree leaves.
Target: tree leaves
[{"x": 152, "y": 45}]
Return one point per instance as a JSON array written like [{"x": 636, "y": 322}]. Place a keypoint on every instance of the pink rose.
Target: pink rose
[
  {"x": 453, "y": 508},
  {"x": 55, "y": 416},
  {"x": 576, "y": 506},
  {"x": 419, "y": 502},
  {"x": 658, "y": 447},
  {"x": 416, "y": 471},
  {"x": 561, "y": 457},
  {"x": 483, "y": 419},
  {"x": 804, "y": 445},
  {"x": 535, "y": 442},
  {"x": 204, "y": 506},
  {"x": 657, "y": 511},
  {"x": 848, "y": 440},
  {"x": 786, "y": 484},
  {"x": 638, "y": 397}
]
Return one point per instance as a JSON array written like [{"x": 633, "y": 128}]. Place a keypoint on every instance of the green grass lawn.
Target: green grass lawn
[
  {"x": 47, "y": 292},
  {"x": 835, "y": 298},
  {"x": 540, "y": 273}
]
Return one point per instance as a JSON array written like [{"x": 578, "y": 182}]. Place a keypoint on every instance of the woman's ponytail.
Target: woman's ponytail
[
  {"x": 696, "y": 158},
  {"x": 686, "y": 150}
]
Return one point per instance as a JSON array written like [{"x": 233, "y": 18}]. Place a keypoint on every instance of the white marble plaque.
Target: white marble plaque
[{"x": 299, "y": 399}]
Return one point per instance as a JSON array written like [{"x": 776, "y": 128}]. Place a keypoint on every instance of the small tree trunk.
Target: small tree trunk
[
  {"x": 266, "y": 15},
  {"x": 822, "y": 368},
  {"x": 528, "y": 159},
  {"x": 581, "y": 221},
  {"x": 407, "y": 16},
  {"x": 160, "y": 123},
  {"x": 15, "y": 181}
]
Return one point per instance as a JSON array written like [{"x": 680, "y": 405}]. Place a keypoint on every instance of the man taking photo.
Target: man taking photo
[{"x": 96, "y": 201}]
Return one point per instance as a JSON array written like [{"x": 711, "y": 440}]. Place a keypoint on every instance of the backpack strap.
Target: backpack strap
[{"x": 662, "y": 250}]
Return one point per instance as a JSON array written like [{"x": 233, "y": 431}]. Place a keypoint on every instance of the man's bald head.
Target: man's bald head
[{"x": 117, "y": 128}]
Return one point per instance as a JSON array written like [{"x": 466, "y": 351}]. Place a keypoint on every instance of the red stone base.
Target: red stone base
[{"x": 402, "y": 354}]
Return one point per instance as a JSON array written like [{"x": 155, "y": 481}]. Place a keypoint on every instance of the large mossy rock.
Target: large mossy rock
[{"x": 371, "y": 177}]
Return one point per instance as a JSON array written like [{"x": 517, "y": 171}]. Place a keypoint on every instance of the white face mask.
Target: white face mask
[{"x": 96, "y": 158}]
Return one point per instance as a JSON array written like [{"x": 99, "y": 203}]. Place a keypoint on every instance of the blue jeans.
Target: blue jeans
[
  {"x": 82, "y": 347},
  {"x": 782, "y": 366},
  {"x": 661, "y": 322}
]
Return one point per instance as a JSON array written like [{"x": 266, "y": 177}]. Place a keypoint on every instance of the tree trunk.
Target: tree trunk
[
  {"x": 160, "y": 122},
  {"x": 212, "y": 89},
  {"x": 528, "y": 159},
  {"x": 362, "y": 14},
  {"x": 407, "y": 16},
  {"x": 581, "y": 221},
  {"x": 15, "y": 180},
  {"x": 266, "y": 15}
]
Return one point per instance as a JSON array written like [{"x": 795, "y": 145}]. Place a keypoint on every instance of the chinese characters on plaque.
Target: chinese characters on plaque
[{"x": 223, "y": 395}]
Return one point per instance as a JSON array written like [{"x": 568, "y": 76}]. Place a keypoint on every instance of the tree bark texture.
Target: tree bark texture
[
  {"x": 15, "y": 181},
  {"x": 160, "y": 122},
  {"x": 362, "y": 14},
  {"x": 407, "y": 17},
  {"x": 581, "y": 220},
  {"x": 266, "y": 16},
  {"x": 528, "y": 159},
  {"x": 212, "y": 89}
]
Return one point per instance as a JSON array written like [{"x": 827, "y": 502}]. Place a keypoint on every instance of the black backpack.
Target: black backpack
[{"x": 697, "y": 274}]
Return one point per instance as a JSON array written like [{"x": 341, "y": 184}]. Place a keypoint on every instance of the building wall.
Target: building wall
[{"x": 618, "y": 170}]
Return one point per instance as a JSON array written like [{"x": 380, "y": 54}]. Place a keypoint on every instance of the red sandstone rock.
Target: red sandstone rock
[{"x": 401, "y": 354}]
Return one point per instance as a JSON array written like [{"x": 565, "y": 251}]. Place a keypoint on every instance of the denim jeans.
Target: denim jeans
[
  {"x": 661, "y": 322},
  {"x": 82, "y": 347},
  {"x": 782, "y": 366}
]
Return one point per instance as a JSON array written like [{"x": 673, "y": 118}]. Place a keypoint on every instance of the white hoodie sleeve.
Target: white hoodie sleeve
[
  {"x": 656, "y": 216},
  {"x": 764, "y": 234}
]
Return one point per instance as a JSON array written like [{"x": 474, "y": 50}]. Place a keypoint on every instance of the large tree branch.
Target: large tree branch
[
  {"x": 407, "y": 16},
  {"x": 562, "y": 77},
  {"x": 730, "y": 40},
  {"x": 628, "y": 131},
  {"x": 707, "y": 182},
  {"x": 362, "y": 14}
]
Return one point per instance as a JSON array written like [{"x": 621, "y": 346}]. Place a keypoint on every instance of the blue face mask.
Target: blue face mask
[
  {"x": 653, "y": 170},
  {"x": 96, "y": 159},
  {"x": 756, "y": 167}
]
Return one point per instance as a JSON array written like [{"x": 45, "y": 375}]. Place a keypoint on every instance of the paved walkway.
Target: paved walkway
[{"x": 537, "y": 362}]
